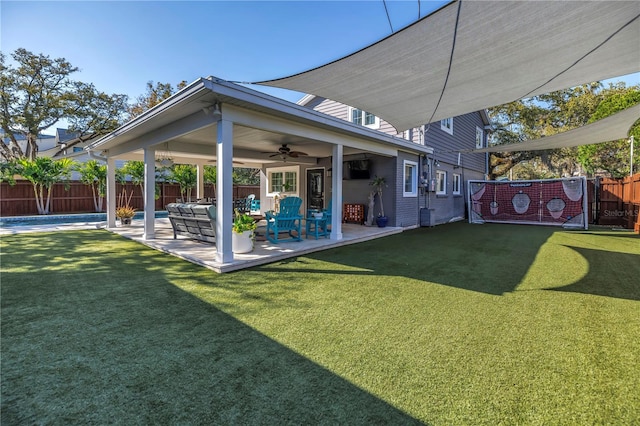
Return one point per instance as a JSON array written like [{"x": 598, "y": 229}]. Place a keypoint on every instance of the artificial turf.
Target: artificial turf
[{"x": 458, "y": 324}]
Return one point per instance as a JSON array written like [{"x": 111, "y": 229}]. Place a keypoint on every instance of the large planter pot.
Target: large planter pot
[
  {"x": 382, "y": 221},
  {"x": 125, "y": 221},
  {"x": 242, "y": 243}
]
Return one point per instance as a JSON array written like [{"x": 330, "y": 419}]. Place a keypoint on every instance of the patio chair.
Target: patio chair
[
  {"x": 288, "y": 219},
  {"x": 327, "y": 215}
]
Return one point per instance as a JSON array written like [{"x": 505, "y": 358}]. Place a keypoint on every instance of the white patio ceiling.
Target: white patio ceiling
[{"x": 470, "y": 55}]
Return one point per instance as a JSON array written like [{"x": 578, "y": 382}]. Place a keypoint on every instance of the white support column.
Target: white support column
[
  {"x": 336, "y": 195},
  {"x": 224, "y": 216},
  {"x": 111, "y": 192},
  {"x": 200, "y": 187},
  {"x": 149, "y": 193}
]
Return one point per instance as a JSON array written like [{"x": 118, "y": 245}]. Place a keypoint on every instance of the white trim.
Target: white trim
[
  {"x": 479, "y": 132},
  {"x": 414, "y": 178},
  {"x": 456, "y": 189},
  {"x": 375, "y": 125},
  {"x": 446, "y": 125},
  {"x": 283, "y": 170},
  {"x": 442, "y": 191}
]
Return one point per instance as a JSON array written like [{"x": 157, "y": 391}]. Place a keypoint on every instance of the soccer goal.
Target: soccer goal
[{"x": 561, "y": 202}]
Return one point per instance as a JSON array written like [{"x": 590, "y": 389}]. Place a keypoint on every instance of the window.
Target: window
[
  {"x": 456, "y": 184},
  {"x": 363, "y": 118},
  {"x": 441, "y": 182},
  {"x": 282, "y": 180},
  {"x": 447, "y": 125},
  {"x": 410, "y": 179},
  {"x": 479, "y": 137}
]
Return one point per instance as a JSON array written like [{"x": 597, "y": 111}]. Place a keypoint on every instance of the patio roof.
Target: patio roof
[
  {"x": 262, "y": 123},
  {"x": 471, "y": 55}
]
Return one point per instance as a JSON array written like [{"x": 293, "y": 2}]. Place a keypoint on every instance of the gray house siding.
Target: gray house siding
[
  {"x": 407, "y": 208},
  {"x": 463, "y": 138},
  {"x": 405, "y": 211},
  {"x": 449, "y": 207}
]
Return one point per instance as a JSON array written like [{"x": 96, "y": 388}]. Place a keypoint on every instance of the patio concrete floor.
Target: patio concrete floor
[{"x": 203, "y": 253}]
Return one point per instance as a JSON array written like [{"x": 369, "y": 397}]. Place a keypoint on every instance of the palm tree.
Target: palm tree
[
  {"x": 186, "y": 176},
  {"x": 43, "y": 172},
  {"x": 94, "y": 174}
]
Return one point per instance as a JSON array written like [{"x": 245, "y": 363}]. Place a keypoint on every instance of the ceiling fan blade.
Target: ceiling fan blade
[{"x": 297, "y": 153}]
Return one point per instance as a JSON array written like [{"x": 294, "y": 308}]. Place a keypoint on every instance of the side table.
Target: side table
[{"x": 317, "y": 227}]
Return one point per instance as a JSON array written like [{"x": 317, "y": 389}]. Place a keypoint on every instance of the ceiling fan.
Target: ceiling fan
[{"x": 284, "y": 151}]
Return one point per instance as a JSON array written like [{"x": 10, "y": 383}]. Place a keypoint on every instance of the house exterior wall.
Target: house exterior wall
[
  {"x": 463, "y": 138},
  {"x": 402, "y": 210},
  {"x": 407, "y": 208}
]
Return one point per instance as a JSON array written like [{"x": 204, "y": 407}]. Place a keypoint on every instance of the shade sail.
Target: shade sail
[
  {"x": 502, "y": 51},
  {"x": 612, "y": 128}
]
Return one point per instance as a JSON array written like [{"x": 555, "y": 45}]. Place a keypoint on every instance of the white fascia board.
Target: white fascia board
[
  {"x": 306, "y": 99},
  {"x": 193, "y": 89}
]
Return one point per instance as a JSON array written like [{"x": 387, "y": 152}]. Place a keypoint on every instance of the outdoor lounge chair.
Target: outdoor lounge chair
[
  {"x": 193, "y": 220},
  {"x": 288, "y": 219}
]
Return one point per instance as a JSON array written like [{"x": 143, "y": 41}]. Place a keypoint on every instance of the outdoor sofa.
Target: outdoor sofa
[{"x": 196, "y": 221}]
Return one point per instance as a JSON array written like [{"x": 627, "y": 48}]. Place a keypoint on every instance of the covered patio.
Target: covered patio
[
  {"x": 215, "y": 122},
  {"x": 204, "y": 254}
]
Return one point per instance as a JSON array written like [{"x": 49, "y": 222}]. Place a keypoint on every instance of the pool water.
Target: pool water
[{"x": 11, "y": 221}]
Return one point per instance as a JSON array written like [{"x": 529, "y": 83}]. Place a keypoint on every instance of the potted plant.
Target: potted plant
[
  {"x": 378, "y": 183},
  {"x": 125, "y": 214},
  {"x": 243, "y": 232}
]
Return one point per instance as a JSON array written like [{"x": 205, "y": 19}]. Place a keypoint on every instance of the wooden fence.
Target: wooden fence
[
  {"x": 19, "y": 199},
  {"x": 619, "y": 202}
]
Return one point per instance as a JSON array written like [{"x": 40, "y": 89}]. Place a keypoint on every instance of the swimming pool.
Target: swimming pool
[{"x": 59, "y": 219}]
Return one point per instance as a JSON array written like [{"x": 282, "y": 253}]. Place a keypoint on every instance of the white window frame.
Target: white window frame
[
  {"x": 283, "y": 171},
  {"x": 441, "y": 182},
  {"x": 375, "y": 125},
  {"x": 479, "y": 138},
  {"x": 457, "y": 184},
  {"x": 413, "y": 167},
  {"x": 446, "y": 125}
]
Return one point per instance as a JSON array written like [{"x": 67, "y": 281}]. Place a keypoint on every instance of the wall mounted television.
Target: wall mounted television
[{"x": 358, "y": 169}]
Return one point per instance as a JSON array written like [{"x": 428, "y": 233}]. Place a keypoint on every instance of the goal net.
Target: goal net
[{"x": 561, "y": 202}]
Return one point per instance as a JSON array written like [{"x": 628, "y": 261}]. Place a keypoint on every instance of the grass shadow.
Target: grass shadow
[
  {"x": 607, "y": 274},
  {"x": 490, "y": 259},
  {"x": 95, "y": 334}
]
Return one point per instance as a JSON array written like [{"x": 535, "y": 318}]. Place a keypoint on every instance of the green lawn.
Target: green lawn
[{"x": 458, "y": 324}]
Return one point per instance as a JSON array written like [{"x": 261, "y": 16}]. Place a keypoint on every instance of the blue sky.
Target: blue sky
[{"x": 120, "y": 45}]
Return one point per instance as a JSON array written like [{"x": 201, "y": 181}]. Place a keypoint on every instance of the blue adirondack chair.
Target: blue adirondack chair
[
  {"x": 288, "y": 219},
  {"x": 327, "y": 214}
]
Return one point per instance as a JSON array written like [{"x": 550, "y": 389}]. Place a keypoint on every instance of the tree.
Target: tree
[
  {"x": 556, "y": 112},
  {"x": 612, "y": 157},
  {"x": 246, "y": 176},
  {"x": 94, "y": 174},
  {"x": 43, "y": 172},
  {"x": 39, "y": 92},
  {"x": 135, "y": 169},
  {"x": 186, "y": 176},
  {"x": 153, "y": 96},
  {"x": 8, "y": 170}
]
